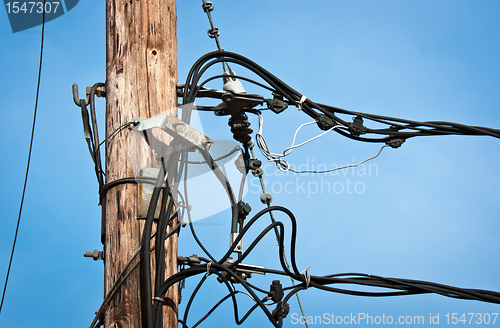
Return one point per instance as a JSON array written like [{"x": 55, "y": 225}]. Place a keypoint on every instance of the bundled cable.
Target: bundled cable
[
  {"x": 389, "y": 130},
  {"x": 227, "y": 272},
  {"x": 274, "y": 302},
  {"x": 395, "y": 132}
]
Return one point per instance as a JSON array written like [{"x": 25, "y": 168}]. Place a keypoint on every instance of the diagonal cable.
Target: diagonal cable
[
  {"x": 29, "y": 160},
  {"x": 264, "y": 191}
]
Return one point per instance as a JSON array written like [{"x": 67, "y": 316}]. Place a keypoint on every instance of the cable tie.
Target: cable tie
[
  {"x": 209, "y": 264},
  {"x": 301, "y": 101},
  {"x": 307, "y": 277},
  {"x": 159, "y": 299}
]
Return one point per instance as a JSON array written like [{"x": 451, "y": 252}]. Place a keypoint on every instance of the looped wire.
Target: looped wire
[
  {"x": 208, "y": 6},
  {"x": 213, "y": 32}
]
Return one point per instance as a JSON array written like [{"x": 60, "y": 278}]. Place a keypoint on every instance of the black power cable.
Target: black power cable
[
  {"x": 29, "y": 159},
  {"x": 121, "y": 278},
  {"x": 394, "y": 134},
  {"x": 397, "y": 130},
  {"x": 146, "y": 257},
  {"x": 401, "y": 287}
]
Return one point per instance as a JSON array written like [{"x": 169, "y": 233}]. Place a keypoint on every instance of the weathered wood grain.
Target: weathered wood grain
[{"x": 141, "y": 77}]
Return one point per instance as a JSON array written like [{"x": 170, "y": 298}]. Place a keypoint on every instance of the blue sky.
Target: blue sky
[{"x": 428, "y": 210}]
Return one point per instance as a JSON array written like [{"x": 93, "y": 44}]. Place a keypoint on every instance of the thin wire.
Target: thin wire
[
  {"x": 286, "y": 262},
  {"x": 28, "y": 164},
  {"x": 289, "y": 149},
  {"x": 29, "y": 160},
  {"x": 213, "y": 28},
  {"x": 215, "y": 34},
  {"x": 341, "y": 167},
  {"x": 277, "y": 158},
  {"x": 114, "y": 132},
  {"x": 273, "y": 220}
]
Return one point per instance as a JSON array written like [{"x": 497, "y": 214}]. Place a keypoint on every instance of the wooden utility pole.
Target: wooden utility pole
[{"x": 141, "y": 78}]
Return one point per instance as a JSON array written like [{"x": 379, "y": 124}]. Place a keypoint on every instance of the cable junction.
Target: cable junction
[{"x": 175, "y": 162}]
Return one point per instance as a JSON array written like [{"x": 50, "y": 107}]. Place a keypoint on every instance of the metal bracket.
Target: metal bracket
[
  {"x": 176, "y": 128},
  {"x": 243, "y": 270},
  {"x": 239, "y": 247},
  {"x": 238, "y": 102},
  {"x": 145, "y": 192},
  {"x": 202, "y": 93},
  {"x": 188, "y": 260},
  {"x": 76, "y": 97}
]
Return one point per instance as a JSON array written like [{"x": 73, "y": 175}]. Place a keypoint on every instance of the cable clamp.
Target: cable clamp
[
  {"x": 301, "y": 101},
  {"x": 395, "y": 143}
]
